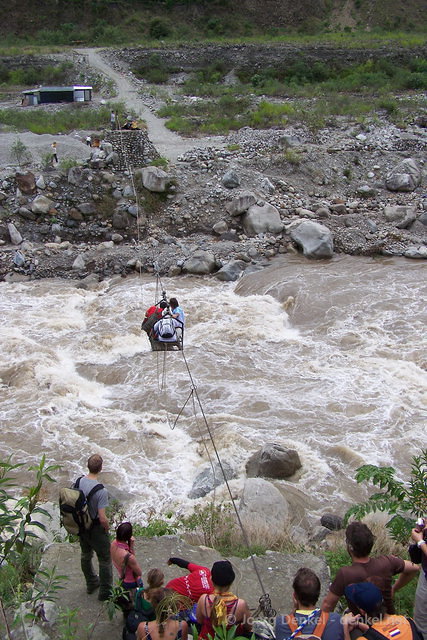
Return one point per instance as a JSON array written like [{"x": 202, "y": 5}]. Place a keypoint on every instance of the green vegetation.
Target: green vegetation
[
  {"x": 403, "y": 501},
  {"x": 35, "y": 75},
  {"x": 75, "y": 116},
  {"x": 313, "y": 93},
  {"x": 20, "y": 152},
  {"x": 19, "y": 548},
  {"x": 161, "y": 161}
]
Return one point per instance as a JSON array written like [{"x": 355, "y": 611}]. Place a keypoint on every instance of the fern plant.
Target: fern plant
[{"x": 404, "y": 501}]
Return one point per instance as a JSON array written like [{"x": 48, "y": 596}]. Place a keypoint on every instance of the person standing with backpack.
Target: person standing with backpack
[{"x": 96, "y": 538}]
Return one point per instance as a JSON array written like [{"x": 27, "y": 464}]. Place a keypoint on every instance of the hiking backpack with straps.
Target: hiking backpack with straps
[
  {"x": 316, "y": 634},
  {"x": 74, "y": 508},
  {"x": 166, "y": 328},
  {"x": 373, "y": 634}
]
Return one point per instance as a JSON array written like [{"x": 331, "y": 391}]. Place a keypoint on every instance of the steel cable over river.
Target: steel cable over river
[{"x": 328, "y": 358}]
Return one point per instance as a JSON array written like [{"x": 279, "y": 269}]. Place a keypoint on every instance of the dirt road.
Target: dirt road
[{"x": 169, "y": 144}]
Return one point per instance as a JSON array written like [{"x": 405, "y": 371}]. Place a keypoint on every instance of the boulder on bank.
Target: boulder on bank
[
  {"x": 201, "y": 262},
  {"x": 402, "y": 216},
  {"x": 26, "y": 182},
  {"x": 405, "y": 176},
  {"x": 262, "y": 219},
  {"x": 41, "y": 205},
  {"x": 15, "y": 236},
  {"x": 154, "y": 179},
  {"x": 273, "y": 461},
  {"x": 263, "y": 508},
  {"x": 240, "y": 203},
  {"x": 313, "y": 238},
  {"x": 230, "y": 179}
]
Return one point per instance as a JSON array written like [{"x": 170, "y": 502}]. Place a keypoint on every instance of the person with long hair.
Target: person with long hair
[
  {"x": 123, "y": 557},
  {"x": 166, "y": 626},
  {"x": 222, "y": 607}
]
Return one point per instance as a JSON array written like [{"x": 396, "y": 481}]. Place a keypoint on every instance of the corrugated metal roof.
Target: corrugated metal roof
[{"x": 51, "y": 89}]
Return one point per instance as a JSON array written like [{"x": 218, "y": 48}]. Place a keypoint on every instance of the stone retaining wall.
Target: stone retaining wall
[
  {"x": 261, "y": 56},
  {"x": 132, "y": 147}
]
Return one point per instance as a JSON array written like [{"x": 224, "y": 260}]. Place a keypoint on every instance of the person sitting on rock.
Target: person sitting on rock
[
  {"x": 166, "y": 626},
  {"x": 143, "y": 610},
  {"x": 306, "y": 586},
  {"x": 372, "y": 619},
  {"x": 222, "y": 607}
]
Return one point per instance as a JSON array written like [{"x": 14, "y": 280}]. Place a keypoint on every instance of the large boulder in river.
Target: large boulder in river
[
  {"x": 201, "y": 262},
  {"x": 405, "y": 176},
  {"x": 240, "y": 203},
  {"x": 263, "y": 507},
  {"x": 262, "y": 219},
  {"x": 313, "y": 238},
  {"x": 273, "y": 461},
  {"x": 209, "y": 478},
  {"x": 231, "y": 271},
  {"x": 155, "y": 179}
]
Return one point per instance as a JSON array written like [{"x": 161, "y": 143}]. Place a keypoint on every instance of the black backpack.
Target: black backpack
[{"x": 74, "y": 508}]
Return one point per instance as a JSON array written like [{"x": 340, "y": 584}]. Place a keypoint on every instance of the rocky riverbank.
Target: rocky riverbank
[{"x": 353, "y": 187}]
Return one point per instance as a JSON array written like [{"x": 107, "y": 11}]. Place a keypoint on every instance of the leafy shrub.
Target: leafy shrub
[
  {"x": 403, "y": 501},
  {"x": 156, "y": 527},
  {"x": 160, "y": 162},
  {"x": 292, "y": 156},
  {"x": 389, "y": 105},
  {"x": 20, "y": 152},
  {"x": 154, "y": 70},
  {"x": 268, "y": 114},
  {"x": 158, "y": 29},
  {"x": 67, "y": 163}
]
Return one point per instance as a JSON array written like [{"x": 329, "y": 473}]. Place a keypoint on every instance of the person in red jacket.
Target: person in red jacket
[{"x": 194, "y": 584}]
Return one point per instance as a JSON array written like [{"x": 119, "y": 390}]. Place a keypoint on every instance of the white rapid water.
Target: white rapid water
[{"x": 325, "y": 357}]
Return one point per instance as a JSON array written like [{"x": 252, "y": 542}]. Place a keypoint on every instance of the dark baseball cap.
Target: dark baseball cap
[{"x": 364, "y": 595}]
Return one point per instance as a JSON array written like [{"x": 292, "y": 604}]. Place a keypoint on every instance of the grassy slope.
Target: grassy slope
[{"x": 116, "y": 22}]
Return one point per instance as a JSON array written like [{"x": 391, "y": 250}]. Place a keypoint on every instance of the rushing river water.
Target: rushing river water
[{"x": 325, "y": 357}]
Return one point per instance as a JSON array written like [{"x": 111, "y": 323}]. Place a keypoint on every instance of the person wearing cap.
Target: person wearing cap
[
  {"x": 194, "y": 584},
  {"x": 222, "y": 607},
  {"x": 306, "y": 586},
  {"x": 360, "y": 540},
  {"x": 420, "y": 609},
  {"x": 372, "y": 620}
]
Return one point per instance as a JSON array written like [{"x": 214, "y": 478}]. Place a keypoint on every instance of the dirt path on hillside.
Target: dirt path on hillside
[{"x": 168, "y": 143}]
